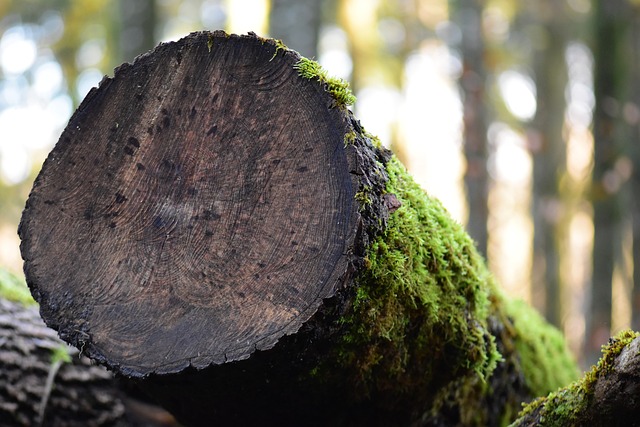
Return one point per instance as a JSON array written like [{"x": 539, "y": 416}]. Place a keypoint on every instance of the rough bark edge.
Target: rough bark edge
[{"x": 606, "y": 394}]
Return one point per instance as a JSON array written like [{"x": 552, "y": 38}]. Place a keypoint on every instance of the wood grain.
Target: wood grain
[{"x": 198, "y": 207}]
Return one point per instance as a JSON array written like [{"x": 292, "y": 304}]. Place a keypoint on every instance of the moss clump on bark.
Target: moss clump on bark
[
  {"x": 338, "y": 88},
  {"x": 418, "y": 319},
  {"x": 567, "y": 406},
  {"x": 543, "y": 356}
]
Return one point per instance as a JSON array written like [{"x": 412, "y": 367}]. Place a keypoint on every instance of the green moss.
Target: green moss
[
  {"x": 544, "y": 358},
  {"x": 210, "y": 42},
  {"x": 14, "y": 288},
  {"x": 60, "y": 354},
  {"x": 363, "y": 198},
  {"x": 279, "y": 47},
  {"x": 564, "y": 406},
  {"x": 349, "y": 138},
  {"x": 418, "y": 318},
  {"x": 338, "y": 88}
]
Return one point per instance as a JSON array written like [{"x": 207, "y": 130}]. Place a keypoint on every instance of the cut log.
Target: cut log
[{"x": 215, "y": 225}]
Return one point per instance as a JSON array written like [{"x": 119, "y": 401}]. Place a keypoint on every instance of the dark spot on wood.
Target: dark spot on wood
[
  {"x": 150, "y": 130},
  {"x": 276, "y": 161},
  {"x": 294, "y": 243},
  {"x": 165, "y": 111},
  {"x": 179, "y": 111},
  {"x": 158, "y": 222},
  {"x": 302, "y": 169},
  {"x": 215, "y": 98},
  {"x": 262, "y": 265},
  {"x": 129, "y": 151},
  {"x": 166, "y": 121},
  {"x": 139, "y": 96},
  {"x": 96, "y": 162},
  {"x": 120, "y": 198},
  {"x": 193, "y": 112},
  {"x": 192, "y": 191},
  {"x": 88, "y": 214},
  {"x": 212, "y": 130},
  {"x": 241, "y": 295},
  {"x": 256, "y": 276},
  {"x": 134, "y": 141},
  {"x": 208, "y": 215},
  {"x": 208, "y": 233},
  {"x": 308, "y": 150},
  {"x": 49, "y": 202},
  {"x": 112, "y": 225},
  {"x": 140, "y": 166}
]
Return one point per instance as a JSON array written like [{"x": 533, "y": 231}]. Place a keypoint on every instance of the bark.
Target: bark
[
  {"x": 298, "y": 22},
  {"x": 609, "y": 192},
  {"x": 217, "y": 227},
  {"x": 468, "y": 14},
  {"x": 137, "y": 28},
  {"x": 549, "y": 155},
  {"x": 36, "y": 388},
  {"x": 633, "y": 118}
]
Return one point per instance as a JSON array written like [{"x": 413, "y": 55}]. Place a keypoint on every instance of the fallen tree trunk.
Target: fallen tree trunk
[{"x": 216, "y": 226}]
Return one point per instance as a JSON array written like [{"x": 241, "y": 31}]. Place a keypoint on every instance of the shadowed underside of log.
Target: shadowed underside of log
[{"x": 215, "y": 225}]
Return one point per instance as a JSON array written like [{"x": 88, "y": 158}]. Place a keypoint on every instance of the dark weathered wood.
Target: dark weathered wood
[{"x": 170, "y": 225}]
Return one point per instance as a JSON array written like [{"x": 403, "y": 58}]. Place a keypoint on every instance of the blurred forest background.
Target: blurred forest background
[{"x": 521, "y": 116}]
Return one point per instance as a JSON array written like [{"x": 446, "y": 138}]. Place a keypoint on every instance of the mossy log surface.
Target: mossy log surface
[
  {"x": 215, "y": 225},
  {"x": 608, "y": 394}
]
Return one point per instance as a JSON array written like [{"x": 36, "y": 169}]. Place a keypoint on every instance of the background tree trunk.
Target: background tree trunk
[
  {"x": 549, "y": 157},
  {"x": 297, "y": 22},
  {"x": 610, "y": 136},
  {"x": 468, "y": 15},
  {"x": 239, "y": 241},
  {"x": 137, "y": 28}
]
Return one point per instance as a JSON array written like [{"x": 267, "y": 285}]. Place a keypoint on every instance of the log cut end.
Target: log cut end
[{"x": 199, "y": 206}]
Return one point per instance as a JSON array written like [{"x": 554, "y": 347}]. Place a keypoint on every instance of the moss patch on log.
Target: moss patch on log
[
  {"x": 567, "y": 405},
  {"x": 338, "y": 88},
  {"x": 418, "y": 317},
  {"x": 543, "y": 356},
  {"x": 420, "y": 314}
]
